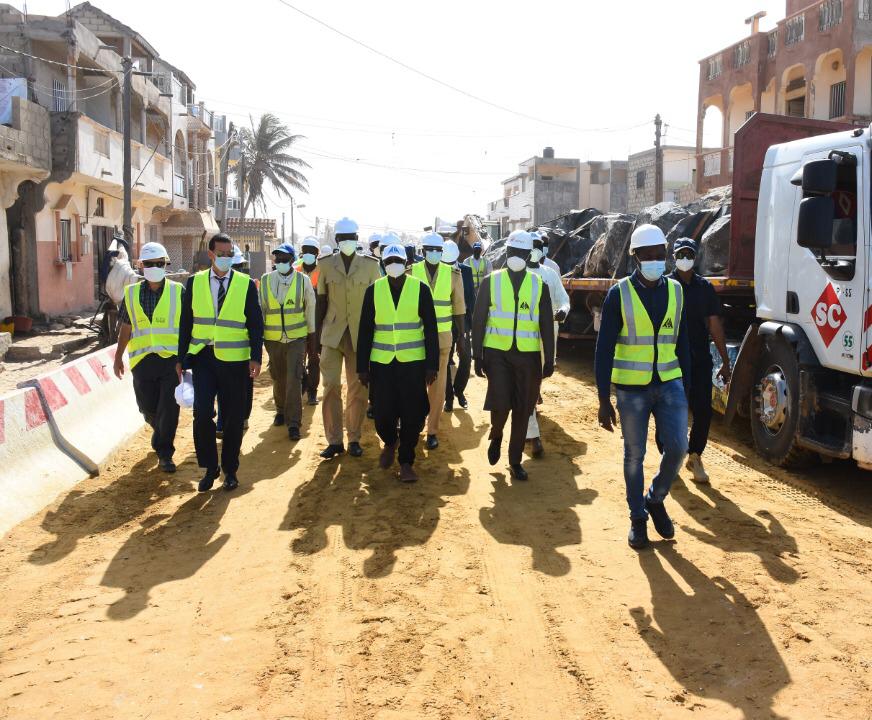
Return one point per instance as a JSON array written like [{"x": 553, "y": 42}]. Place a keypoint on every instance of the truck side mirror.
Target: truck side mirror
[
  {"x": 819, "y": 177},
  {"x": 815, "y": 225}
]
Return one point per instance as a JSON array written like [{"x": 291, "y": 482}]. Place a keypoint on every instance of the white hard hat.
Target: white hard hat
[
  {"x": 390, "y": 238},
  {"x": 536, "y": 235},
  {"x": 394, "y": 250},
  {"x": 646, "y": 236},
  {"x": 153, "y": 251},
  {"x": 326, "y": 250},
  {"x": 450, "y": 252},
  {"x": 345, "y": 227},
  {"x": 309, "y": 241},
  {"x": 375, "y": 238},
  {"x": 238, "y": 257},
  {"x": 521, "y": 240},
  {"x": 433, "y": 239}
]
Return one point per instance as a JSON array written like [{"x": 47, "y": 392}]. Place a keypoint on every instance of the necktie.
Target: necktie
[{"x": 221, "y": 293}]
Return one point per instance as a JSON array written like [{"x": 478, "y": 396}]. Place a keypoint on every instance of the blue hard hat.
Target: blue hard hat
[
  {"x": 476, "y": 244},
  {"x": 285, "y": 248},
  {"x": 684, "y": 244}
]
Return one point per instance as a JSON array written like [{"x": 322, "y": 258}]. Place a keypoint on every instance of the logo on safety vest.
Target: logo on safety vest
[
  {"x": 525, "y": 305},
  {"x": 668, "y": 324},
  {"x": 828, "y": 314}
]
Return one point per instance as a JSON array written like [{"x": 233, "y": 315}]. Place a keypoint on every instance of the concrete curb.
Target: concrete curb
[{"x": 55, "y": 430}]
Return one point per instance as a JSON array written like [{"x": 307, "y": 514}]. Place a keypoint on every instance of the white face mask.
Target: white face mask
[
  {"x": 154, "y": 274},
  {"x": 516, "y": 263},
  {"x": 283, "y": 267},
  {"x": 434, "y": 257},
  {"x": 536, "y": 256},
  {"x": 395, "y": 269},
  {"x": 652, "y": 270},
  {"x": 685, "y": 264},
  {"x": 348, "y": 247},
  {"x": 309, "y": 258}
]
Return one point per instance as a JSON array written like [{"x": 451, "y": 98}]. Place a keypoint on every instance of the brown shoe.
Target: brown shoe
[
  {"x": 536, "y": 449},
  {"x": 407, "y": 474},
  {"x": 386, "y": 459}
]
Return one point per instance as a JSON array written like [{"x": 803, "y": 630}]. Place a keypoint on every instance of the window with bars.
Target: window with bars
[
  {"x": 640, "y": 179},
  {"x": 837, "y": 99},
  {"x": 65, "y": 240},
  {"x": 59, "y": 96}
]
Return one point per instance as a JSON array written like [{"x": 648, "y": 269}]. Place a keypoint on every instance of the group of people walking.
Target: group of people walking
[{"x": 396, "y": 320}]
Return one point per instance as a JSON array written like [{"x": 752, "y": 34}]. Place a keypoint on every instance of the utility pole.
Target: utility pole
[
  {"x": 292, "y": 219},
  {"x": 658, "y": 161},
  {"x": 127, "y": 221},
  {"x": 283, "y": 226},
  {"x": 225, "y": 170}
]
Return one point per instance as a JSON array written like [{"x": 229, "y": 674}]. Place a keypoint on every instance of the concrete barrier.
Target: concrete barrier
[{"x": 59, "y": 430}]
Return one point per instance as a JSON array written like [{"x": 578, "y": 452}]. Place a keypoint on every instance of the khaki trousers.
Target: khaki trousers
[
  {"x": 436, "y": 393},
  {"x": 286, "y": 371},
  {"x": 331, "y": 405}
]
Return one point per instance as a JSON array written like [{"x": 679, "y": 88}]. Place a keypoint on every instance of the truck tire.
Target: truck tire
[{"x": 775, "y": 404}]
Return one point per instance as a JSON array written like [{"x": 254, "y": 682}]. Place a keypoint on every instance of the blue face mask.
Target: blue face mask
[
  {"x": 434, "y": 256},
  {"x": 223, "y": 263},
  {"x": 308, "y": 259},
  {"x": 283, "y": 268},
  {"x": 544, "y": 251},
  {"x": 652, "y": 270}
]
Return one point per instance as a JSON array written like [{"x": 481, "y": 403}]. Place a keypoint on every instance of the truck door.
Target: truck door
[{"x": 828, "y": 291}]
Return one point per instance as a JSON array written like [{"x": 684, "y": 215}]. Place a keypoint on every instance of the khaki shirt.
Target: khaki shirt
[
  {"x": 344, "y": 293},
  {"x": 458, "y": 304}
]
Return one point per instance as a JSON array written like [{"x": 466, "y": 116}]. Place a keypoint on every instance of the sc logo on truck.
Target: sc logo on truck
[{"x": 828, "y": 314}]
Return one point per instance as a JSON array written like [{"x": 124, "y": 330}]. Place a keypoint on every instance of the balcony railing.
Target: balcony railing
[
  {"x": 206, "y": 116},
  {"x": 711, "y": 163},
  {"x": 715, "y": 67},
  {"x": 829, "y": 14},
  {"x": 742, "y": 54},
  {"x": 864, "y": 9},
  {"x": 773, "y": 42},
  {"x": 794, "y": 30}
]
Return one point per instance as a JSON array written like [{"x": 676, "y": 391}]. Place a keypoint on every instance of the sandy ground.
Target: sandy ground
[{"x": 328, "y": 590}]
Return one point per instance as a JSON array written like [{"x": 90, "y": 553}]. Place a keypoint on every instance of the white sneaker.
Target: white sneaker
[{"x": 694, "y": 464}]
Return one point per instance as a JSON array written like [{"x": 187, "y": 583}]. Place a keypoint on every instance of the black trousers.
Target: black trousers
[
  {"x": 700, "y": 404},
  {"x": 154, "y": 384},
  {"x": 399, "y": 394},
  {"x": 464, "y": 363},
  {"x": 228, "y": 381},
  {"x": 513, "y": 382}
]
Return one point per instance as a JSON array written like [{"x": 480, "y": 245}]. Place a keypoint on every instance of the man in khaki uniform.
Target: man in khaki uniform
[
  {"x": 342, "y": 281},
  {"x": 446, "y": 286}
]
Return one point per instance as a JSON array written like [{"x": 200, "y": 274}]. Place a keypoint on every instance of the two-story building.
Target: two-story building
[{"x": 816, "y": 63}]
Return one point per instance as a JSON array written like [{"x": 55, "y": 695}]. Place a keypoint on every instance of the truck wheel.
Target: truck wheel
[{"x": 775, "y": 405}]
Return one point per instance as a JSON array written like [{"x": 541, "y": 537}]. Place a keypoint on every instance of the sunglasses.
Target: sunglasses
[
  {"x": 684, "y": 255},
  {"x": 154, "y": 263}
]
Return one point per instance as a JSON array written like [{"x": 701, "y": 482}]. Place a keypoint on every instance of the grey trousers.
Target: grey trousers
[{"x": 286, "y": 371}]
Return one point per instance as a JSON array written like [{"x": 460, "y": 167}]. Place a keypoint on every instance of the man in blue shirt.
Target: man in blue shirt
[{"x": 650, "y": 375}]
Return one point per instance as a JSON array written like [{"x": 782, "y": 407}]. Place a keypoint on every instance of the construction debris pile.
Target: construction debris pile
[{"x": 592, "y": 244}]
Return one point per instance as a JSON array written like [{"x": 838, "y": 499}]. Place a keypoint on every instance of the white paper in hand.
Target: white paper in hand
[{"x": 185, "y": 391}]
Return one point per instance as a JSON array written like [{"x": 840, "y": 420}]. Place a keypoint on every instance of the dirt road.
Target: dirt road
[{"x": 327, "y": 590}]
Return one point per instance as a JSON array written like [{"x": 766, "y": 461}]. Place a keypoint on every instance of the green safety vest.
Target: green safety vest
[
  {"x": 399, "y": 331},
  {"x": 441, "y": 293},
  {"x": 508, "y": 322},
  {"x": 227, "y": 332},
  {"x": 160, "y": 334},
  {"x": 634, "y": 352},
  {"x": 289, "y": 316},
  {"x": 478, "y": 267}
]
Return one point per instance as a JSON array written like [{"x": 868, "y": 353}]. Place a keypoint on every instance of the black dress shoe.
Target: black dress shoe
[
  {"x": 462, "y": 401},
  {"x": 293, "y": 434},
  {"x": 518, "y": 472},
  {"x": 369, "y": 412},
  {"x": 449, "y": 406},
  {"x": 167, "y": 465},
  {"x": 208, "y": 479},
  {"x": 432, "y": 442},
  {"x": 313, "y": 399},
  {"x": 230, "y": 482},
  {"x": 354, "y": 449},
  {"x": 279, "y": 420},
  {"x": 331, "y": 451},
  {"x": 537, "y": 450},
  {"x": 493, "y": 451}
]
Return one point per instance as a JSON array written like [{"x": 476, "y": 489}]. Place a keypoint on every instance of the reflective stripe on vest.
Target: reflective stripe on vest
[
  {"x": 288, "y": 317},
  {"x": 399, "y": 331},
  {"x": 635, "y": 348},
  {"x": 508, "y": 322},
  {"x": 160, "y": 334},
  {"x": 227, "y": 333},
  {"x": 313, "y": 276},
  {"x": 441, "y": 292},
  {"x": 478, "y": 268}
]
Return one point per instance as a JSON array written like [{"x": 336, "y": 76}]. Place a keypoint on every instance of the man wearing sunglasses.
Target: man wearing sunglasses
[
  {"x": 703, "y": 320},
  {"x": 149, "y": 332}
]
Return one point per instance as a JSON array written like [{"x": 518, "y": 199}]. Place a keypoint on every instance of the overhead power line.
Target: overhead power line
[{"x": 421, "y": 73}]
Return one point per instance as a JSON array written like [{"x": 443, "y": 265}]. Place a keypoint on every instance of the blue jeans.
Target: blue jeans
[{"x": 668, "y": 404}]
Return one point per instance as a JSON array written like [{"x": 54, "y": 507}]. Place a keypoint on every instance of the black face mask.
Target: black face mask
[{"x": 477, "y": 253}]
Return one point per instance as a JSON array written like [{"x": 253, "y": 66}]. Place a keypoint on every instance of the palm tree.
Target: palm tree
[{"x": 264, "y": 156}]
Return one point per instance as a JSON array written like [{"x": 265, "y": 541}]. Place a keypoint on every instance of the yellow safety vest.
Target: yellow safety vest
[
  {"x": 634, "y": 352},
  {"x": 160, "y": 334},
  {"x": 227, "y": 333},
  {"x": 508, "y": 321},
  {"x": 289, "y": 316},
  {"x": 441, "y": 293},
  {"x": 478, "y": 267},
  {"x": 399, "y": 331}
]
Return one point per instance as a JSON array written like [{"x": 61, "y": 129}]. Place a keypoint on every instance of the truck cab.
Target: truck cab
[{"x": 801, "y": 370}]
